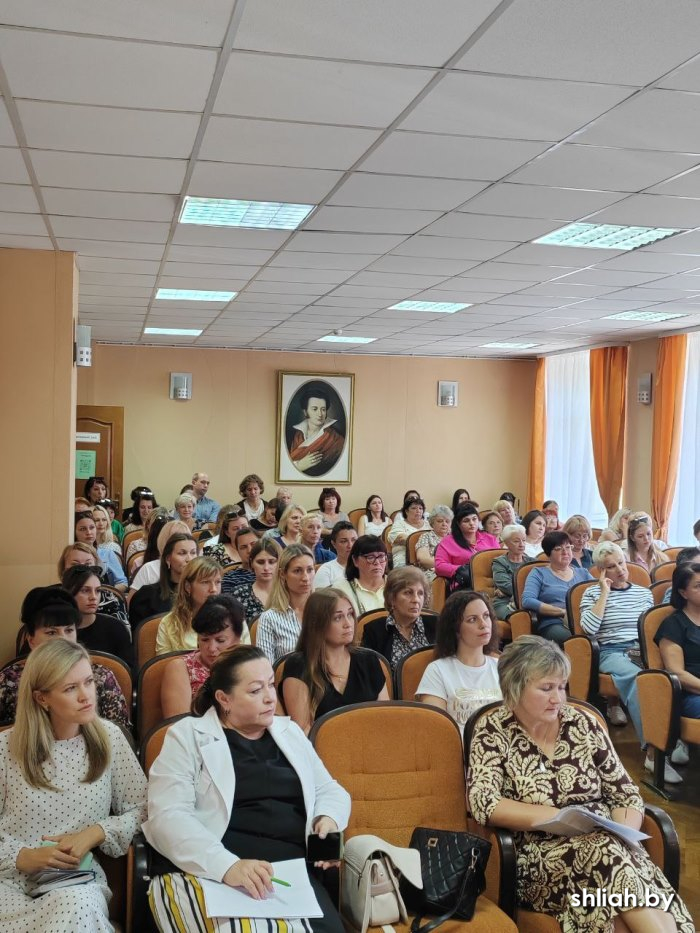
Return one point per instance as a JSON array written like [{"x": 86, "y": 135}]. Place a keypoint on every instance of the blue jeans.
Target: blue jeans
[
  {"x": 614, "y": 661},
  {"x": 690, "y": 705}
]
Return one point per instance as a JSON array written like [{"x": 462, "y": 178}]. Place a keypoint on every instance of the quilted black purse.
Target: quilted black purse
[{"x": 452, "y": 868}]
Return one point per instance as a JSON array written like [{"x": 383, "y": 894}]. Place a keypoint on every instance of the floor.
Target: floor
[{"x": 684, "y": 809}]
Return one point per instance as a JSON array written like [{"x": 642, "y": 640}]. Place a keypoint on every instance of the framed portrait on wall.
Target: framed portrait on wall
[{"x": 314, "y": 428}]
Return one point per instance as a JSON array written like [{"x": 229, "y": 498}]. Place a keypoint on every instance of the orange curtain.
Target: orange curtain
[
  {"x": 608, "y": 375},
  {"x": 538, "y": 447},
  {"x": 666, "y": 438}
]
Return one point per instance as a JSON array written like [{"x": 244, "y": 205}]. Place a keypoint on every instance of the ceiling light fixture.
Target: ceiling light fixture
[
  {"x": 192, "y": 294},
  {"x": 225, "y": 212},
  {"x": 337, "y": 338},
  {"x": 605, "y": 236},
  {"x": 510, "y": 346},
  {"x": 173, "y": 331},
  {"x": 651, "y": 317},
  {"x": 442, "y": 307}
]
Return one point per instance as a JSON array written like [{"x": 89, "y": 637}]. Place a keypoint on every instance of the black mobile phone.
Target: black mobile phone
[{"x": 329, "y": 849}]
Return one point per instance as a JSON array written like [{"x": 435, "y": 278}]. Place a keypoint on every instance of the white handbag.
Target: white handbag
[{"x": 369, "y": 891}]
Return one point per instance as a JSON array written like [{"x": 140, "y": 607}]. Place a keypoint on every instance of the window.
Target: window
[
  {"x": 686, "y": 503},
  {"x": 569, "y": 470}
]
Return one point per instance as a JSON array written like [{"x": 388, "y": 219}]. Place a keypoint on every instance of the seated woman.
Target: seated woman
[
  {"x": 375, "y": 519},
  {"x": 47, "y": 613},
  {"x": 460, "y": 497},
  {"x": 610, "y": 611},
  {"x": 329, "y": 511},
  {"x": 153, "y": 599},
  {"x": 492, "y": 524},
  {"x": 310, "y": 537},
  {"x": 279, "y": 625},
  {"x": 254, "y": 595},
  {"x": 84, "y": 555},
  {"x": 439, "y": 520},
  {"x": 331, "y": 572},
  {"x": 326, "y": 672},
  {"x": 641, "y": 547},
  {"x": 412, "y": 518},
  {"x": 200, "y": 579},
  {"x": 234, "y": 789},
  {"x": 617, "y": 527},
  {"x": 104, "y": 537},
  {"x": 268, "y": 519},
  {"x": 69, "y": 779},
  {"x": 185, "y": 505},
  {"x": 678, "y": 636},
  {"x": 147, "y": 545},
  {"x": 458, "y": 548},
  {"x": 150, "y": 572},
  {"x": 535, "y": 525},
  {"x": 364, "y": 574},
  {"x": 464, "y": 676},
  {"x": 579, "y": 530},
  {"x": 251, "y": 488},
  {"x": 550, "y": 509},
  {"x": 289, "y": 526},
  {"x": 86, "y": 533},
  {"x": 504, "y": 567},
  {"x": 404, "y": 629},
  {"x": 117, "y": 528},
  {"x": 224, "y": 550},
  {"x": 95, "y": 489},
  {"x": 144, "y": 502},
  {"x": 98, "y": 632},
  {"x": 505, "y": 510},
  {"x": 546, "y": 587},
  {"x": 535, "y": 755},
  {"x": 219, "y": 626}
]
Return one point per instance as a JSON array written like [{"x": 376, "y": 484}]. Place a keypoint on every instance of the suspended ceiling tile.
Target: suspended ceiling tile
[
  {"x": 109, "y": 204},
  {"x": 442, "y": 247},
  {"x": 22, "y": 224},
  {"x": 108, "y": 172},
  {"x": 369, "y": 220},
  {"x": 652, "y": 210},
  {"x": 400, "y": 191},
  {"x": 19, "y": 198},
  {"x": 12, "y": 168},
  {"x": 656, "y": 119},
  {"x": 261, "y": 182},
  {"x": 100, "y": 229},
  {"x": 484, "y": 227},
  {"x": 118, "y": 250}
]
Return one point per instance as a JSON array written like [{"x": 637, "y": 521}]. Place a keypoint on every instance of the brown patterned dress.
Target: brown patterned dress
[{"x": 585, "y": 770}]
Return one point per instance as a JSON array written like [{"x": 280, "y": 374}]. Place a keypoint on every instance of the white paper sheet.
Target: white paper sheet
[
  {"x": 575, "y": 821},
  {"x": 298, "y": 900}
]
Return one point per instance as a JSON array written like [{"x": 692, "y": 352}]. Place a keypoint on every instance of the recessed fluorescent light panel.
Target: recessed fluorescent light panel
[
  {"x": 336, "y": 338},
  {"x": 172, "y": 331},
  {"x": 263, "y": 215},
  {"x": 441, "y": 307},
  {"x": 605, "y": 236},
  {"x": 651, "y": 317},
  {"x": 192, "y": 294},
  {"x": 509, "y": 346}
]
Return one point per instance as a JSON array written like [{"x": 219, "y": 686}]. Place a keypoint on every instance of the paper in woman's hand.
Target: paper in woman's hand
[
  {"x": 296, "y": 900},
  {"x": 575, "y": 821}
]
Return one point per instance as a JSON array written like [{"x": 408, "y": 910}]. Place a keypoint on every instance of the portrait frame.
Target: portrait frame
[{"x": 314, "y": 439}]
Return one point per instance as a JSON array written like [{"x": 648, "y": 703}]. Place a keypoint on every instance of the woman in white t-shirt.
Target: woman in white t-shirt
[{"x": 464, "y": 676}]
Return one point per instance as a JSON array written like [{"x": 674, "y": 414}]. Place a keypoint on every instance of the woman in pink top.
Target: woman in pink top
[{"x": 457, "y": 549}]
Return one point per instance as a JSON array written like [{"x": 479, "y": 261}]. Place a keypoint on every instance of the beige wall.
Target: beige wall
[
  {"x": 636, "y": 490},
  {"x": 402, "y": 439},
  {"x": 38, "y": 389}
]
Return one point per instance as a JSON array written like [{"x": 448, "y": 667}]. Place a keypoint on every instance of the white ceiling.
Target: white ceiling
[{"x": 437, "y": 142}]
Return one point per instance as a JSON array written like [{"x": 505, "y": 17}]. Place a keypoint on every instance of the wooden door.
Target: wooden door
[{"x": 99, "y": 431}]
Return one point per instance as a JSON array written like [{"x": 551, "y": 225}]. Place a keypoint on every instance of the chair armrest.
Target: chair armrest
[
  {"x": 663, "y": 847},
  {"x": 501, "y": 867},
  {"x": 139, "y": 917}
]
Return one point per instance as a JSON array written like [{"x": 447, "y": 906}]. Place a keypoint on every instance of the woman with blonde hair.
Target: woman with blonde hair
[
  {"x": 103, "y": 523},
  {"x": 641, "y": 547},
  {"x": 185, "y": 505},
  {"x": 289, "y": 526},
  {"x": 579, "y": 530},
  {"x": 71, "y": 784},
  {"x": 200, "y": 579},
  {"x": 617, "y": 527},
  {"x": 326, "y": 672},
  {"x": 279, "y": 625}
]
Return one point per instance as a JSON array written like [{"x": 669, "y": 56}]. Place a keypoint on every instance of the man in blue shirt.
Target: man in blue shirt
[{"x": 206, "y": 509}]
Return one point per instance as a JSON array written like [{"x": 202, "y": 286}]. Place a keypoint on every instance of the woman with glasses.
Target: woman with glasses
[
  {"x": 97, "y": 632},
  {"x": 412, "y": 518},
  {"x": 579, "y": 530},
  {"x": 364, "y": 575},
  {"x": 547, "y": 585},
  {"x": 404, "y": 629}
]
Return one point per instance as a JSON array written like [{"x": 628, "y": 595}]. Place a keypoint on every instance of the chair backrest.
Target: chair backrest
[
  {"x": 129, "y": 537},
  {"x": 384, "y": 755},
  {"x": 410, "y": 670},
  {"x": 658, "y": 591},
  {"x": 145, "y": 635},
  {"x": 149, "y": 706},
  {"x": 411, "y": 545},
  {"x": 482, "y": 570},
  {"x": 439, "y": 594},
  {"x": 364, "y": 619},
  {"x": 673, "y": 552},
  {"x": 106, "y": 588},
  {"x": 152, "y": 742},
  {"x": 579, "y": 651},
  {"x": 121, "y": 671},
  {"x": 392, "y": 515},
  {"x": 133, "y": 564},
  {"x": 639, "y": 575},
  {"x": 253, "y": 629},
  {"x": 663, "y": 571},
  {"x": 648, "y": 626},
  {"x": 354, "y": 515},
  {"x": 573, "y": 605},
  {"x": 520, "y": 577}
]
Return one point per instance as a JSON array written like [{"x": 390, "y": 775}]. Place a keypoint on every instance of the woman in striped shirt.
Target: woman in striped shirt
[{"x": 280, "y": 625}]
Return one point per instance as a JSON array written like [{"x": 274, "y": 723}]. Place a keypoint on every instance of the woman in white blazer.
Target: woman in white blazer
[{"x": 233, "y": 789}]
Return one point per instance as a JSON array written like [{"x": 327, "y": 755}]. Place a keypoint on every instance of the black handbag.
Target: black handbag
[
  {"x": 452, "y": 868},
  {"x": 462, "y": 580}
]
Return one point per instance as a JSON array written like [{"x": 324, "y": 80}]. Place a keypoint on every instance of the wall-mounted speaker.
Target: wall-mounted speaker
[{"x": 181, "y": 386}]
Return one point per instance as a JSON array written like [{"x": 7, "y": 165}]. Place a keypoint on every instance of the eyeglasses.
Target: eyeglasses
[
  {"x": 236, "y": 514},
  {"x": 378, "y": 558}
]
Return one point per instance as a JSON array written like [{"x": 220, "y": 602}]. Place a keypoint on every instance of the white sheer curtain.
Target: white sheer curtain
[
  {"x": 686, "y": 503},
  {"x": 569, "y": 470}
]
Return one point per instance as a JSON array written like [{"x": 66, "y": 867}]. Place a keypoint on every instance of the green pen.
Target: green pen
[{"x": 279, "y": 881}]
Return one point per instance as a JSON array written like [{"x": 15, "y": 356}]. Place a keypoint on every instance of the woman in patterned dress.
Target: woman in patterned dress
[{"x": 536, "y": 755}]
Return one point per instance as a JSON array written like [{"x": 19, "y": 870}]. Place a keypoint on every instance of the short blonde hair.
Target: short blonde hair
[
  {"x": 526, "y": 659},
  {"x": 185, "y": 498},
  {"x": 606, "y": 549},
  {"x": 503, "y": 504},
  {"x": 287, "y": 514},
  {"x": 577, "y": 523}
]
